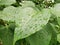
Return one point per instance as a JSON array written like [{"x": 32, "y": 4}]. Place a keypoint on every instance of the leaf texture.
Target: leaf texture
[{"x": 28, "y": 20}]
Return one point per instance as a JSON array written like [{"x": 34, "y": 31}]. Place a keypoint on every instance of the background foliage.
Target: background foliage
[{"x": 29, "y": 22}]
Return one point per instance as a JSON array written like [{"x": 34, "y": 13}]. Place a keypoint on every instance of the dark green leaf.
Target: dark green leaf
[{"x": 43, "y": 37}]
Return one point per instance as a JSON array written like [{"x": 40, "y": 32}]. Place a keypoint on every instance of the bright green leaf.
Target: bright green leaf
[
  {"x": 8, "y": 14},
  {"x": 31, "y": 23}
]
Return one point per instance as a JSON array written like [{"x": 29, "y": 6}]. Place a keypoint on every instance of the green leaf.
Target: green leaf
[
  {"x": 58, "y": 19},
  {"x": 7, "y": 2},
  {"x": 31, "y": 23},
  {"x": 17, "y": 14},
  {"x": 58, "y": 38},
  {"x": 57, "y": 1},
  {"x": 42, "y": 37},
  {"x": 6, "y": 36},
  {"x": 56, "y": 10},
  {"x": 54, "y": 35},
  {"x": 27, "y": 3},
  {"x": 28, "y": 20},
  {"x": 9, "y": 14},
  {"x": 36, "y": 1}
]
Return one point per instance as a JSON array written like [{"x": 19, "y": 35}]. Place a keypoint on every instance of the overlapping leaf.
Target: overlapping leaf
[
  {"x": 6, "y": 36},
  {"x": 31, "y": 23},
  {"x": 27, "y": 3},
  {"x": 56, "y": 10},
  {"x": 58, "y": 38},
  {"x": 7, "y": 2},
  {"x": 8, "y": 14},
  {"x": 42, "y": 37},
  {"x": 28, "y": 20}
]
